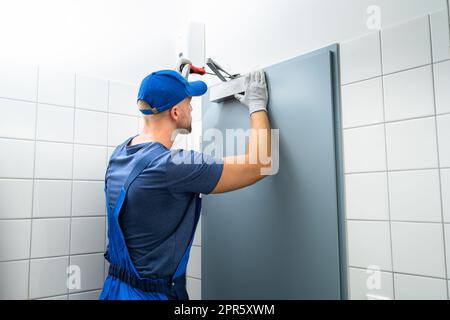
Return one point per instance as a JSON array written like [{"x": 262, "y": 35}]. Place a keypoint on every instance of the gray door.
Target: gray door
[{"x": 279, "y": 239}]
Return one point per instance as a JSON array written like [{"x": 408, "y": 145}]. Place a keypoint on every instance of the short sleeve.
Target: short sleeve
[{"x": 191, "y": 171}]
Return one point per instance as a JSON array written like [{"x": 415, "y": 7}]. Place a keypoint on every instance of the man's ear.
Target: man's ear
[{"x": 174, "y": 113}]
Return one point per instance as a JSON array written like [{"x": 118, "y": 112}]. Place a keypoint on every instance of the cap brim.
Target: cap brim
[{"x": 197, "y": 88}]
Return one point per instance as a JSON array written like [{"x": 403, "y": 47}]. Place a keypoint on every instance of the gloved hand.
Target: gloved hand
[{"x": 256, "y": 93}]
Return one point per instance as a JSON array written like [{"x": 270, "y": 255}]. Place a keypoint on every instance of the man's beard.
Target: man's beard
[{"x": 187, "y": 129}]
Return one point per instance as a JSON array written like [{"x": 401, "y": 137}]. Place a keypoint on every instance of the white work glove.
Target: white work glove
[{"x": 256, "y": 93}]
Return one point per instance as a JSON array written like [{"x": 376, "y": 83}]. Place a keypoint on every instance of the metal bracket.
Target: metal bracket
[{"x": 226, "y": 90}]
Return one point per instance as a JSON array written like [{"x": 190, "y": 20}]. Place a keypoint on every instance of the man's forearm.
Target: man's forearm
[{"x": 259, "y": 146}]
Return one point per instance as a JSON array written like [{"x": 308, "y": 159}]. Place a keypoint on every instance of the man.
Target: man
[{"x": 152, "y": 192}]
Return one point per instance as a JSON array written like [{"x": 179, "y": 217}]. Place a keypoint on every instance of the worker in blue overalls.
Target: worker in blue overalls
[{"x": 153, "y": 193}]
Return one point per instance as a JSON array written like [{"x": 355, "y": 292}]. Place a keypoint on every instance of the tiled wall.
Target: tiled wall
[
  {"x": 56, "y": 131},
  {"x": 396, "y": 129}
]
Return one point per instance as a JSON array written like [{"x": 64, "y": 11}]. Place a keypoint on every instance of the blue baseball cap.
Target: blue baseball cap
[{"x": 166, "y": 88}]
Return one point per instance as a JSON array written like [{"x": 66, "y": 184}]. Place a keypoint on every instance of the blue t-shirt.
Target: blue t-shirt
[{"x": 158, "y": 215}]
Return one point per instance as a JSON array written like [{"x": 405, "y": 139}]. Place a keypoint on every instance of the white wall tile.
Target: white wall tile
[
  {"x": 92, "y": 271},
  {"x": 52, "y": 198},
  {"x": 367, "y": 196},
  {"x": 360, "y": 58},
  {"x": 364, "y": 149},
  {"x": 50, "y": 237},
  {"x": 17, "y": 119},
  {"x": 91, "y": 127},
  {"x": 445, "y": 185},
  {"x": 89, "y": 162},
  {"x": 409, "y": 287},
  {"x": 447, "y": 246},
  {"x": 90, "y": 295},
  {"x": 54, "y": 123},
  {"x": 140, "y": 123},
  {"x": 441, "y": 84},
  {"x": 18, "y": 81},
  {"x": 443, "y": 124},
  {"x": 123, "y": 98},
  {"x": 91, "y": 93},
  {"x": 56, "y": 87},
  {"x": 418, "y": 248},
  {"x": 406, "y": 45},
  {"x": 440, "y": 35},
  {"x": 195, "y": 136},
  {"x": 14, "y": 239},
  {"x": 412, "y": 144},
  {"x": 17, "y": 158},
  {"x": 53, "y": 160},
  {"x": 16, "y": 198},
  {"x": 415, "y": 196},
  {"x": 88, "y": 198},
  {"x": 362, "y": 103},
  {"x": 48, "y": 277},
  {"x": 87, "y": 235},
  {"x": 196, "y": 104},
  {"x": 362, "y": 287},
  {"x": 120, "y": 128},
  {"x": 369, "y": 244},
  {"x": 194, "y": 268},
  {"x": 194, "y": 288},
  {"x": 14, "y": 280},
  {"x": 409, "y": 94}
]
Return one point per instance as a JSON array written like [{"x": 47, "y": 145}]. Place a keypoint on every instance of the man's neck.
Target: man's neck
[{"x": 148, "y": 134}]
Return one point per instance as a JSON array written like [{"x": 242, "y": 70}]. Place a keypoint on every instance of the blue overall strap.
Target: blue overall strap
[{"x": 181, "y": 269}]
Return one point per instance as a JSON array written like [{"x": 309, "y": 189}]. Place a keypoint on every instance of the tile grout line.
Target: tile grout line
[
  {"x": 387, "y": 163},
  {"x": 388, "y": 171},
  {"x": 53, "y": 218},
  {"x": 71, "y": 191},
  {"x": 50, "y": 179},
  {"x": 33, "y": 184},
  {"x": 54, "y": 257},
  {"x": 60, "y": 142},
  {"x": 402, "y": 273},
  {"x": 369, "y": 125},
  {"x": 438, "y": 157},
  {"x": 69, "y": 107},
  {"x": 68, "y": 294},
  {"x": 396, "y": 221},
  {"x": 105, "y": 237}
]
